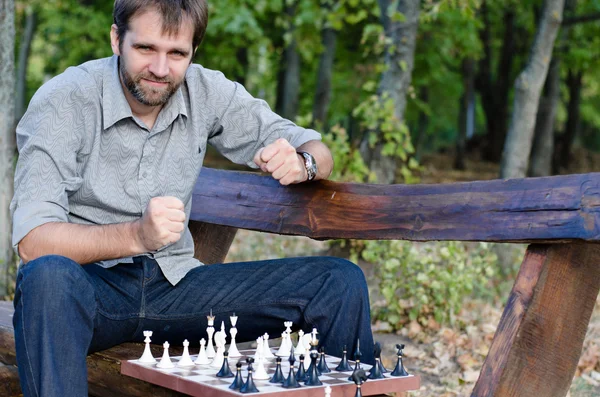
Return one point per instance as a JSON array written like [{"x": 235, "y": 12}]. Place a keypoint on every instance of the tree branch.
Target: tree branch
[{"x": 580, "y": 19}]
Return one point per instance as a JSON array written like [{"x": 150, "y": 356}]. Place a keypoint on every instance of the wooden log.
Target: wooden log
[
  {"x": 9, "y": 381},
  {"x": 540, "y": 336},
  {"x": 548, "y": 209},
  {"x": 211, "y": 242}
]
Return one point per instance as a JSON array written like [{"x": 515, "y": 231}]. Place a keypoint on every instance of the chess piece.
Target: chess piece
[
  {"x": 278, "y": 375},
  {"x": 186, "y": 360},
  {"x": 259, "y": 348},
  {"x": 267, "y": 353},
  {"x": 291, "y": 382},
  {"x": 249, "y": 386},
  {"x": 377, "y": 352},
  {"x": 300, "y": 349},
  {"x": 261, "y": 372},
  {"x": 165, "y": 361},
  {"x": 225, "y": 371},
  {"x": 210, "y": 330},
  {"x": 399, "y": 370},
  {"x": 219, "y": 355},
  {"x": 359, "y": 377},
  {"x": 344, "y": 366},
  {"x": 202, "y": 358},
  {"x": 375, "y": 372},
  {"x": 357, "y": 356},
  {"x": 328, "y": 391},
  {"x": 322, "y": 366},
  {"x": 238, "y": 382},
  {"x": 147, "y": 357},
  {"x": 301, "y": 374},
  {"x": 314, "y": 344},
  {"x": 286, "y": 345},
  {"x": 312, "y": 378},
  {"x": 233, "y": 350}
]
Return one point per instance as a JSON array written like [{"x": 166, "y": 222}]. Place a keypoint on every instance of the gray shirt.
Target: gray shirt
[{"x": 85, "y": 158}]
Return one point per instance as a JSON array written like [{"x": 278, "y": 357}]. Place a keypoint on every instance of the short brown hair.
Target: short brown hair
[{"x": 172, "y": 12}]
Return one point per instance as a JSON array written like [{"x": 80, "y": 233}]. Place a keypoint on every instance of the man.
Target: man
[{"x": 109, "y": 154}]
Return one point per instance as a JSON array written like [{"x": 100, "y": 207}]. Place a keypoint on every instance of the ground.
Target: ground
[{"x": 448, "y": 359}]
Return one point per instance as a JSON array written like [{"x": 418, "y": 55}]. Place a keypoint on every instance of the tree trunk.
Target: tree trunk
[
  {"x": 466, "y": 114},
  {"x": 574, "y": 84},
  {"x": 289, "y": 77},
  {"x": 323, "y": 90},
  {"x": 24, "y": 51},
  {"x": 395, "y": 79},
  {"x": 543, "y": 142},
  {"x": 422, "y": 124},
  {"x": 528, "y": 87},
  {"x": 7, "y": 136}
]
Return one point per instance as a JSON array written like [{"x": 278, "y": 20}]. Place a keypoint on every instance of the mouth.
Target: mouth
[{"x": 158, "y": 84}]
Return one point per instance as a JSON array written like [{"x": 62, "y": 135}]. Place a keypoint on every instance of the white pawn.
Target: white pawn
[
  {"x": 165, "y": 361},
  {"x": 260, "y": 373},
  {"x": 219, "y": 355},
  {"x": 300, "y": 346},
  {"x": 259, "y": 349},
  {"x": 186, "y": 360},
  {"x": 328, "y": 391},
  {"x": 267, "y": 353},
  {"x": 210, "y": 330},
  {"x": 147, "y": 356},
  {"x": 202, "y": 357},
  {"x": 233, "y": 350}
]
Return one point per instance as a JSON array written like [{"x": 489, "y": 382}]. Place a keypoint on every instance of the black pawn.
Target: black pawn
[
  {"x": 344, "y": 366},
  {"x": 301, "y": 370},
  {"x": 238, "y": 382},
  {"x": 312, "y": 378},
  {"x": 225, "y": 371},
  {"x": 322, "y": 367},
  {"x": 249, "y": 386},
  {"x": 291, "y": 382},
  {"x": 278, "y": 375},
  {"x": 359, "y": 377},
  {"x": 399, "y": 370}
]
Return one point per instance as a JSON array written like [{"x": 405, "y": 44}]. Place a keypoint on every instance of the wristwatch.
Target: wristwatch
[{"x": 310, "y": 164}]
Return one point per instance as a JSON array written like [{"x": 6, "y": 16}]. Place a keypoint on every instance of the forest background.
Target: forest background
[{"x": 404, "y": 91}]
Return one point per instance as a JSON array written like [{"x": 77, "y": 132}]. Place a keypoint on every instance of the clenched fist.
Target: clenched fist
[
  {"x": 162, "y": 223},
  {"x": 282, "y": 162}
]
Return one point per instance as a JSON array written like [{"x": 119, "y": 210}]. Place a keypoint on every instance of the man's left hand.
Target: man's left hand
[{"x": 282, "y": 162}]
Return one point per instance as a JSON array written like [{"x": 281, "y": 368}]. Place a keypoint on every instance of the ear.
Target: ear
[{"x": 114, "y": 40}]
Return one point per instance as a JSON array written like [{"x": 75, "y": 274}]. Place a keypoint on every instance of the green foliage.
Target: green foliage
[{"x": 424, "y": 281}]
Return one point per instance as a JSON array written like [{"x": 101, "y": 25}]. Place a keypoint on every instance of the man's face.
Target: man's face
[{"x": 152, "y": 64}]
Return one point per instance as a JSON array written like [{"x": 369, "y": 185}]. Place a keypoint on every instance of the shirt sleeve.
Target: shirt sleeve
[
  {"x": 248, "y": 124},
  {"x": 49, "y": 138}
]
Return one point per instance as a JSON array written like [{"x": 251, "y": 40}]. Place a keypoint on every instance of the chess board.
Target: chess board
[{"x": 201, "y": 380}]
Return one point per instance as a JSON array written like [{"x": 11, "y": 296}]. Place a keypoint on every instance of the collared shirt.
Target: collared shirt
[{"x": 85, "y": 158}]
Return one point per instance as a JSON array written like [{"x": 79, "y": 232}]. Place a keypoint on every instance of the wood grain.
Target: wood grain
[
  {"x": 540, "y": 336},
  {"x": 211, "y": 242},
  {"x": 557, "y": 208}
]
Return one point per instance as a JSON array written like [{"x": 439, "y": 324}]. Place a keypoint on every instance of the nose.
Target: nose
[{"x": 159, "y": 65}]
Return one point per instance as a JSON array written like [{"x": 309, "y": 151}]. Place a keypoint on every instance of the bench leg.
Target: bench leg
[{"x": 538, "y": 342}]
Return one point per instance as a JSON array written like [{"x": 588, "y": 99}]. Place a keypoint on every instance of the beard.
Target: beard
[{"x": 149, "y": 96}]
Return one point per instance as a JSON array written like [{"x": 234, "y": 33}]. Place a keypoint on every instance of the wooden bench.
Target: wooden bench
[{"x": 540, "y": 336}]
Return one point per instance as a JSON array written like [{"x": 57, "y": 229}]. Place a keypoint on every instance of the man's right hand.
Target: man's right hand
[{"x": 162, "y": 223}]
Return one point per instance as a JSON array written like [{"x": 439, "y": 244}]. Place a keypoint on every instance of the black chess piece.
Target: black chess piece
[
  {"x": 375, "y": 372},
  {"x": 291, "y": 382},
  {"x": 312, "y": 378},
  {"x": 278, "y": 375},
  {"x": 322, "y": 366},
  {"x": 380, "y": 363},
  {"x": 301, "y": 374},
  {"x": 399, "y": 370},
  {"x": 357, "y": 356},
  {"x": 225, "y": 371},
  {"x": 238, "y": 382},
  {"x": 249, "y": 386},
  {"x": 359, "y": 377},
  {"x": 344, "y": 366}
]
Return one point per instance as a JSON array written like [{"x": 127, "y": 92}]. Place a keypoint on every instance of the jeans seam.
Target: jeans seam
[{"x": 22, "y": 302}]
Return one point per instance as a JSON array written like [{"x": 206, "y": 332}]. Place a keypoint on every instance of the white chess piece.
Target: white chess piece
[
  {"x": 165, "y": 361},
  {"x": 328, "y": 391},
  {"x": 202, "y": 357},
  {"x": 306, "y": 342},
  {"x": 210, "y": 330},
  {"x": 267, "y": 353},
  {"x": 186, "y": 360},
  {"x": 219, "y": 355},
  {"x": 260, "y": 373},
  {"x": 233, "y": 350},
  {"x": 147, "y": 356},
  {"x": 300, "y": 346},
  {"x": 259, "y": 349},
  {"x": 288, "y": 327},
  {"x": 284, "y": 347}
]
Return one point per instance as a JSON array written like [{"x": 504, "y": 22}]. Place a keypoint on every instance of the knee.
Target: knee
[
  {"x": 50, "y": 277},
  {"x": 348, "y": 274}
]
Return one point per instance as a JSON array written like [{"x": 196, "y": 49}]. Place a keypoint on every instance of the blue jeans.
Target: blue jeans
[{"x": 63, "y": 311}]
